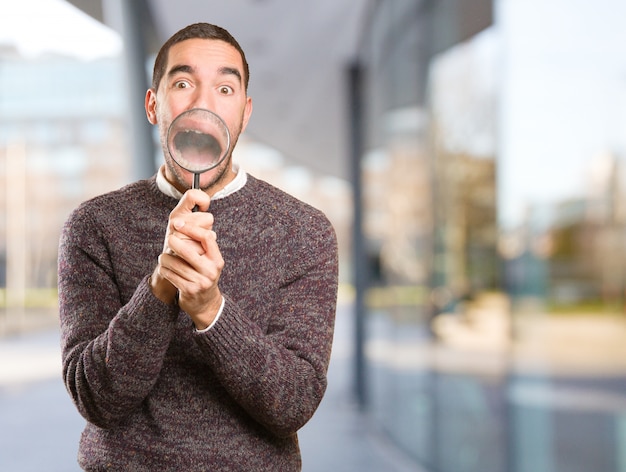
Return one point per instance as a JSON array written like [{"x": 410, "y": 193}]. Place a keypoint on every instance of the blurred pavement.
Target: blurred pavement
[{"x": 40, "y": 428}]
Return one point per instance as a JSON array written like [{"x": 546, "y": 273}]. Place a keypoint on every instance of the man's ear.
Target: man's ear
[
  {"x": 151, "y": 106},
  {"x": 246, "y": 114}
]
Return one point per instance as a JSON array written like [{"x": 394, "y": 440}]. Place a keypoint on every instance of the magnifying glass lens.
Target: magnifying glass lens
[{"x": 198, "y": 140}]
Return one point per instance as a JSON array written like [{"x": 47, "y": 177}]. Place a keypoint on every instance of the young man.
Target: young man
[{"x": 196, "y": 340}]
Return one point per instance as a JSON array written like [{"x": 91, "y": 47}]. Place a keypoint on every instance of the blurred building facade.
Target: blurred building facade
[{"x": 62, "y": 140}]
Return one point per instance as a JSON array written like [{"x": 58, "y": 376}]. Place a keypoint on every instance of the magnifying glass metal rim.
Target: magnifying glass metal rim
[{"x": 196, "y": 173}]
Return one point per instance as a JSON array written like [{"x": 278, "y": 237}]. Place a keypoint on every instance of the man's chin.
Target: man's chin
[{"x": 183, "y": 180}]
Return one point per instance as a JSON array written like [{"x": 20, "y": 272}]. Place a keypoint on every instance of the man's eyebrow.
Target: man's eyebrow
[
  {"x": 231, "y": 71},
  {"x": 179, "y": 68}
]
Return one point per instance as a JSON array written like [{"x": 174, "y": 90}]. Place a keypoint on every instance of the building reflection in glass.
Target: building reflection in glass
[{"x": 495, "y": 219}]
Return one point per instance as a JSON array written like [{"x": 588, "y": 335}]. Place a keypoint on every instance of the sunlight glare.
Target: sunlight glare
[{"x": 36, "y": 27}]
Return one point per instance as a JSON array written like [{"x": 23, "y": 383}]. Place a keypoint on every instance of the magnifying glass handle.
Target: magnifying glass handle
[{"x": 196, "y": 184}]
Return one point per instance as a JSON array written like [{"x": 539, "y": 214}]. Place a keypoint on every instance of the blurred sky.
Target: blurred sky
[{"x": 563, "y": 99}]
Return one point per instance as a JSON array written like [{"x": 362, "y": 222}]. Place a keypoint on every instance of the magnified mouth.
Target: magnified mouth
[{"x": 196, "y": 142}]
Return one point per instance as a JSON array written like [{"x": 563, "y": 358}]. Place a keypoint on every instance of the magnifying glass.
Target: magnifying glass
[{"x": 198, "y": 140}]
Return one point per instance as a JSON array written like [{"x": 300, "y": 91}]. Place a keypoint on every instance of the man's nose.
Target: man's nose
[{"x": 204, "y": 98}]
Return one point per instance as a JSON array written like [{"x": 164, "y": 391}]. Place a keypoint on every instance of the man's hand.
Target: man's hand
[{"x": 191, "y": 262}]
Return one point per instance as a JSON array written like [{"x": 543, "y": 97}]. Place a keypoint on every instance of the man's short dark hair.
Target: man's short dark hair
[{"x": 199, "y": 31}]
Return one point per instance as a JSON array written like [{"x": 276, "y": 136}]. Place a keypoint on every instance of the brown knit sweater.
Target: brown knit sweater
[{"x": 157, "y": 395}]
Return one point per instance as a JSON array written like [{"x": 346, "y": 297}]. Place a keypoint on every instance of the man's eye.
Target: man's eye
[
  {"x": 225, "y": 90},
  {"x": 181, "y": 84}
]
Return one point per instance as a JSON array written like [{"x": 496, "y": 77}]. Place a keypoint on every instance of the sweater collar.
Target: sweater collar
[{"x": 234, "y": 185}]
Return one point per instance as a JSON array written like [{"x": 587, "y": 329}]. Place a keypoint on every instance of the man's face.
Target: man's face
[{"x": 200, "y": 73}]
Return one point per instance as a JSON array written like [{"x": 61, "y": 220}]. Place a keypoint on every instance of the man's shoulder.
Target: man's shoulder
[
  {"x": 280, "y": 203},
  {"x": 130, "y": 198},
  {"x": 298, "y": 232},
  {"x": 289, "y": 215}
]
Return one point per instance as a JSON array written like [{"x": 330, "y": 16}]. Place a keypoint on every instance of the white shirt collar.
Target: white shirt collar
[{"x": 234, "y": 185}]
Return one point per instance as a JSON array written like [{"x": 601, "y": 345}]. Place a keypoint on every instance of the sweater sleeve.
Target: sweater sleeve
[
  {"x": 109, "y": 362},
  {"x": 278, "y": 375}
]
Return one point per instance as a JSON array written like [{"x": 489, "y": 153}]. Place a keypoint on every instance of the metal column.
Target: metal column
[
  {"x": 359, "y": 259},
  {"x": 126, "y": 17}
]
